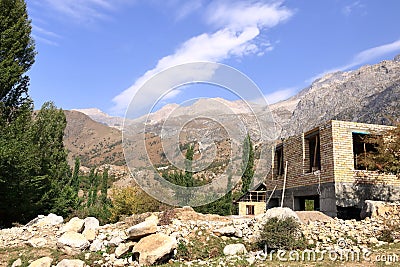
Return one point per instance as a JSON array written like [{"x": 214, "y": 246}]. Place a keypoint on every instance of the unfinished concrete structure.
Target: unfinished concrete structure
[{"x": 324, "y": 172}]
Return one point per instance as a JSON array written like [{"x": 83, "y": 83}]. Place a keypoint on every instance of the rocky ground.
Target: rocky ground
[{"x": 182, "y": 237}]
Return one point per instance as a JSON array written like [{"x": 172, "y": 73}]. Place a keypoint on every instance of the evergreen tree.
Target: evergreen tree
[
  {"x": 17, "y": 55},
  {"x": 34, "y": 171},
  {"x": 75, "y": 181},
  {"x": 104, "y": 186},
  {"x": 248, "y": 164}
]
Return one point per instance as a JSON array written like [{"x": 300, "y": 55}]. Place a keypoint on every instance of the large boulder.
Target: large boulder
[
  {"x": 71, "y": 263},
  {"x": 51, "y": 220},
  {"x": 72, "y": 242},
  {"x": 74, "y": 225},
  {"x": 149, "y": 226},
  {"x": 42, "y": 262},
  {"x": 91, "y": 225},
  {"x": 124, "y": 248},
  {"x": 156, "y": 248},
  {"x": 280, "y": 213},
  {"x": 225, "y": 231},
  {"x": 234, "y": 249}
]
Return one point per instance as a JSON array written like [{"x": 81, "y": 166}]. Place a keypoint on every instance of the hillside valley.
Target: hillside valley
[{"x": 369, "y": 94}]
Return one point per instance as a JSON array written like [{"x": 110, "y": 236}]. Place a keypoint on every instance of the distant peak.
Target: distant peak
[{"x": 91, "y": 111}]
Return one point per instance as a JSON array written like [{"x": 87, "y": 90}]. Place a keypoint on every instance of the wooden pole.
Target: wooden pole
[
  {"x": 269, "y": 199},
  {"x": 284, "y": 185}
]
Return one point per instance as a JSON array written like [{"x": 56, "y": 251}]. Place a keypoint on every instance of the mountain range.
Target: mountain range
[{"x": 369, "y": 94}]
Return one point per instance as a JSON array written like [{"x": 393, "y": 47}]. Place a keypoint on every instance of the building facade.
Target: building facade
[{"x": 324, "y": 172}]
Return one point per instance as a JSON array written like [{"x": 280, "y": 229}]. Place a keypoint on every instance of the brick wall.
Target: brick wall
[
  {"x": 343, "y": 153},
  {"x": 296, "y": 153}
]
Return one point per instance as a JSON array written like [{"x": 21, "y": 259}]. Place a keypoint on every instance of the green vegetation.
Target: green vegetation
[
  {"x": 247, "y": 165},
  {"x": 386, "y": 157},
  {"x": 281, "y": 234},
  {"x": 132, "y": 200}
]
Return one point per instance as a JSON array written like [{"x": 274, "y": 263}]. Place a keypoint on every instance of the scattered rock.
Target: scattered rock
[
  {"x": 37, "y": 242},
  {"x": 74, "y": 225},
  {"x": 149, "y": 226},
  {"x": 17, "y": 263},
  {"x": 123, "y": 248},
  {"x": 97, "y": 245},
  {"x": 51, "y": 219},
  {"x": 42, "y": 262},
  {"x": 91, "y": 225},
  {"x": 155, "y": 248},
  {"x": 280, "y": 213},
  {"x": 234, "y": 249},
  {"x": 73, "y": 240},
  {"x": 225, "y": 231},
  {"x": 71, "y": 263}
]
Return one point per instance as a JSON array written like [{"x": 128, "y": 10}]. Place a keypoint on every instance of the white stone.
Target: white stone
[
  {"x": 71, "y": 263},
  {"x": 42, "y": 262},
  {"x": 73, "y": 240},
  {"x": 154, "y": 248},
  {"x": 97, "y": 245},
  {"x": 37, "y": 242},
  {"x": 234, "y": 249},
  {"x": 17, "y": 263},
  {"x": 149, "y": 226},
  {"x": 280, "y": 213},
  {"x": 74, "y": 225},
  {"x": 123, "y": 248}
]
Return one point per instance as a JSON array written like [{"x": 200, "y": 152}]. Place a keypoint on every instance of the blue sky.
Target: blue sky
[{"x": 97, "y": 53}]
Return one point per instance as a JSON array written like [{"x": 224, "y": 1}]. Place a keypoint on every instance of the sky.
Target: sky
[{"x": 100, "y": 53}]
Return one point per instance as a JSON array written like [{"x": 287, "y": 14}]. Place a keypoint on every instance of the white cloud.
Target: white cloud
[
  {"x": 188, "y": 7},
  {"x": 349, "y": 9},
  {"x": 363, "y": 57},
  {"x": 280, "y": 95},
  {"x": 84, "y": 11},
  {"x": 247, "y": 14},
  {"x": 238, "y": 27},
  {"x": 42, "y": 35}
]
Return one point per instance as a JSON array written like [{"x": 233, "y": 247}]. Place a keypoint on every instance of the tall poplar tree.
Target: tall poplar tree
[
  {"x": 17, "y": 55},
  {"x": 247, "y": 164}
]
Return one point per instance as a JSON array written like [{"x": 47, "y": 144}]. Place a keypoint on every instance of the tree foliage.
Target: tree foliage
[
  {"x": 17, "y": 55},
  {"x": 247, "y": 164},
  {"x": 386, "y": 156},
  {"x": 34, "y": 171},
  {"x": 132, "y": 200}
]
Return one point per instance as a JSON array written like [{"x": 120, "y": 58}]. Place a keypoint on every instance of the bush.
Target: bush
[
  {"x": 281, "y": 234},
  {"x": 132, "y": 200},
  {"x": 386, "y": 236}
]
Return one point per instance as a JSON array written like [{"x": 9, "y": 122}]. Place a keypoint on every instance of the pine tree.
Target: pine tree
[{"x": 247, "y": 164}]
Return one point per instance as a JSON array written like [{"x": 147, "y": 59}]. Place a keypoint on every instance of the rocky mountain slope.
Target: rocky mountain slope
[
  {"x": 369, "y": 94},
  {"x": 94, "y": 143}
]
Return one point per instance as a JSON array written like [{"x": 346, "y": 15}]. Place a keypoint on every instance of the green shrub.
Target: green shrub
[
  {"x": 386, "y": 236},
  {"x": 281, "y": 234}
]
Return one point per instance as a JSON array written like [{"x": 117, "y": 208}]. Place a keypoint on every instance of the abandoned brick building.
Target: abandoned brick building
[{"x": 323, "y": 173}]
